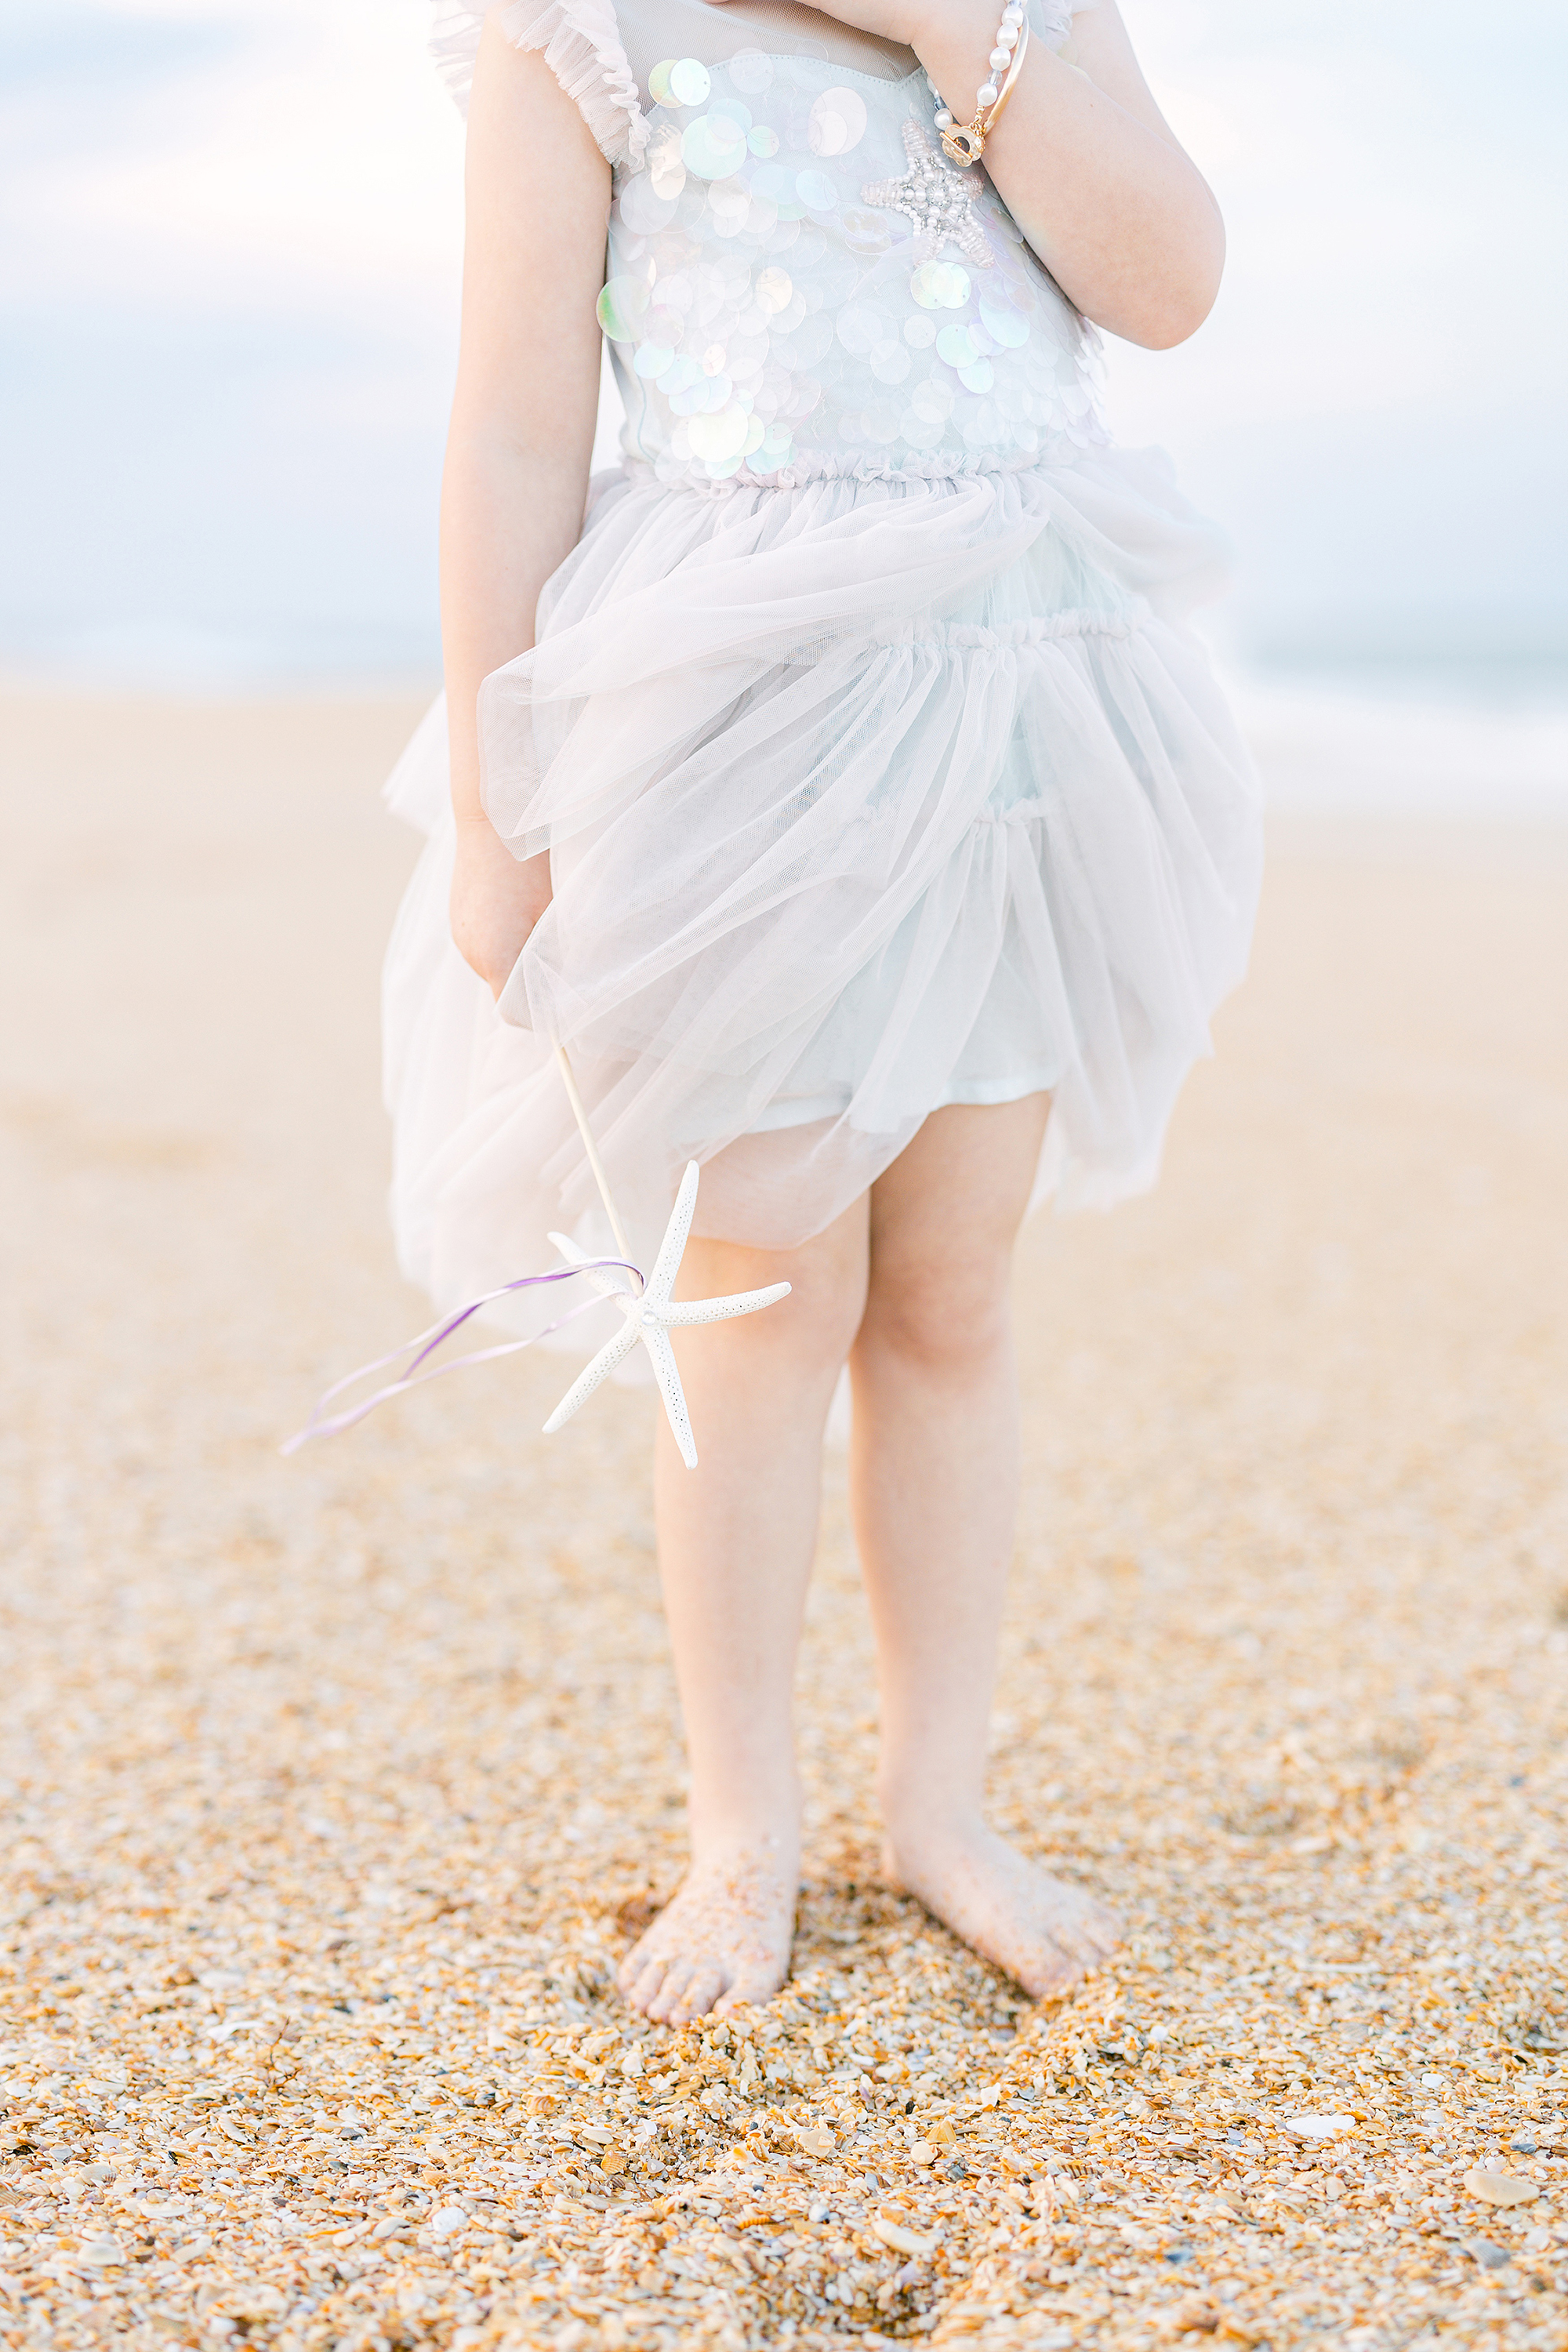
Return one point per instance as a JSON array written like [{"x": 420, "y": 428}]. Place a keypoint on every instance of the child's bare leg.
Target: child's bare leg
[
  {"x": 935, "y": 1472},
  {"x": 735, "y": 1539}
]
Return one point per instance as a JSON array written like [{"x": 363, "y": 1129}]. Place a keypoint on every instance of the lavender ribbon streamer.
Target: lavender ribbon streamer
[{"x": 416, "y": 1351}]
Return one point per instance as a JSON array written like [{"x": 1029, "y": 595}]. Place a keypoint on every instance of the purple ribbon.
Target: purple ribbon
[{"x": 416, "y": 1351}]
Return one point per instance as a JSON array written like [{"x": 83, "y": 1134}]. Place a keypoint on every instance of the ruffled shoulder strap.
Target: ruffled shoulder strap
[
  {"x": 582, "y": 46},
  {"x": 1051, "y": 20}
]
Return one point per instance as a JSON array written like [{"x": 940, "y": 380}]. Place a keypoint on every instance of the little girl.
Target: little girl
[{"x": 836, "y": 781}]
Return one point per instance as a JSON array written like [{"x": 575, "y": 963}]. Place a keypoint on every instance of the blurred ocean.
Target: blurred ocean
[{"x": 229, "y": 240}]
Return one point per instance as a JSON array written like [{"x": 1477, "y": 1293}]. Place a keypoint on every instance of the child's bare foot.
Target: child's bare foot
[
  {"x": 724, "y": 1938},
  {"x": 1042, "y": 1931}
]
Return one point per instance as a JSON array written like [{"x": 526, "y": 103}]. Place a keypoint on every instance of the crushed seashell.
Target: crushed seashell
[
  {"x": 336, "y": 1792},
  {"x": 1502, "y": 2188}
]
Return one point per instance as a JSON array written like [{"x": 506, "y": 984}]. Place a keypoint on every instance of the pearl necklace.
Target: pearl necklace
[{"x": 964, "y": 145}]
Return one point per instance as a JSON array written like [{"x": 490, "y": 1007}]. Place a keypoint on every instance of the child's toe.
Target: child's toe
[
  {"x": 706, "y": 1984},
  {"x": 671, "y": 1993},
  {"x": 1079, "y": 1942},
  {"x": 632, "y": 1970},
  {"x": 643, "y": 1979}
]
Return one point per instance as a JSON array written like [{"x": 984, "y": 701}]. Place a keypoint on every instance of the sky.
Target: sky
[{"x": 229, "y": 244}]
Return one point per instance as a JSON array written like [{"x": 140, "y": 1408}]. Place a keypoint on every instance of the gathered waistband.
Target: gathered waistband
[
  {"x": 1046, "y": 629},
  {"x": 805, "y": 472}
]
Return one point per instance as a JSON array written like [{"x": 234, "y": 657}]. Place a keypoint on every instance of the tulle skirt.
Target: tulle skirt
[{"x": 863, "y": 796}]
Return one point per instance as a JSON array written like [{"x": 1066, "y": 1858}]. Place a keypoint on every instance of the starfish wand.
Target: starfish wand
[
  {"x": 649, "y": 1313},
  {"x": 648, "y": 1310}
]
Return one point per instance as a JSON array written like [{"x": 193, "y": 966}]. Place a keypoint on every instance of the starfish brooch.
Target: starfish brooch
[
  {"x": 935, "y": 199},
  {"x": 650, "y": 1314}
]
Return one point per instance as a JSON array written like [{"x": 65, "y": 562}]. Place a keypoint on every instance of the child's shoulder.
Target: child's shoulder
[{"x": 582, "y": 46}]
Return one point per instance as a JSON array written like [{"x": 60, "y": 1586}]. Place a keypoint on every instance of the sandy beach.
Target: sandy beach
[{"x": 335, "y": 1787}]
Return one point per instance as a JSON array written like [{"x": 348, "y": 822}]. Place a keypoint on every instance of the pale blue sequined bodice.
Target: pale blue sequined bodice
[{"x": 798, "y": 286}]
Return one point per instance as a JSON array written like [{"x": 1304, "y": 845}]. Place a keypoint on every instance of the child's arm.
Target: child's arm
[
  {"x": 1090, "y": 170},
  {"x": 1088, "y": 167},
  {"x": 521, "y": 437}
]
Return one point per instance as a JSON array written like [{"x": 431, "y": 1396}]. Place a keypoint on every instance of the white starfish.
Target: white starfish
[
  {"x": 650, "y": 1314},
  {"x": 937, "y": 202}
]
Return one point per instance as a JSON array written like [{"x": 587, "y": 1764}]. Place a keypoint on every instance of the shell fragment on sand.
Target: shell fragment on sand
[
  {"x": 1503, "y": 2187},
  {"x": 1318, "y": 2126},
  {"x": 904, "y": 2241}
]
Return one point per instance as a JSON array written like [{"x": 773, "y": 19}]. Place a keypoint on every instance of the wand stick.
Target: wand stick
[
  {"x": 650, "y": 1311},
  {"x": 591, "y": 1149}
]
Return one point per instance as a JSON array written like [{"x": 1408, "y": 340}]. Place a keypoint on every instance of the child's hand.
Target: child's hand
[{"x": 496, "y": 901}]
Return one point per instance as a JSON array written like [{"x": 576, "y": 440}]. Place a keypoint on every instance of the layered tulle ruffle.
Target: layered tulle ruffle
[
  {"x": 581, "y": 44},
  {"x": 862, "y": 797}
]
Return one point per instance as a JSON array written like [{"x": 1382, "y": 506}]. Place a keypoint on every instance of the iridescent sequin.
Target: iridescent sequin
[
  {"x": 776, "y": 182},
  {"x": 772, "y": 289},
  {"x": 621, "y": 304},
  {"x": 1005, "y": 305},
  {"x": 931, "y": 402},
  {"x": 642, "y": 209},
  {"x": 713, "y": 146},
  {"x": 865, "y": 232},
  {"x": 723, "y": 434},
  {"x": 768, "y": 310},
  {"x": 836, "y": 122},
  {"x": 751, "y": 71},
  {"x": 730, "y": 201},
  {"x": 939, "y": 285},
  {"x": 665, "y": 169},
  {"x": 690, "y": 83},
  {"x": 860, "y": 328}
]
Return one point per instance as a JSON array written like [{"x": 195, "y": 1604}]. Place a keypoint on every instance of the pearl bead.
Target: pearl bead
[{"x": 1009, "y": 32}]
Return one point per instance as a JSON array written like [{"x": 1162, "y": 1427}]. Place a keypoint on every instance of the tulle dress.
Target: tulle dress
[{"x": 876, "y": 767}]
